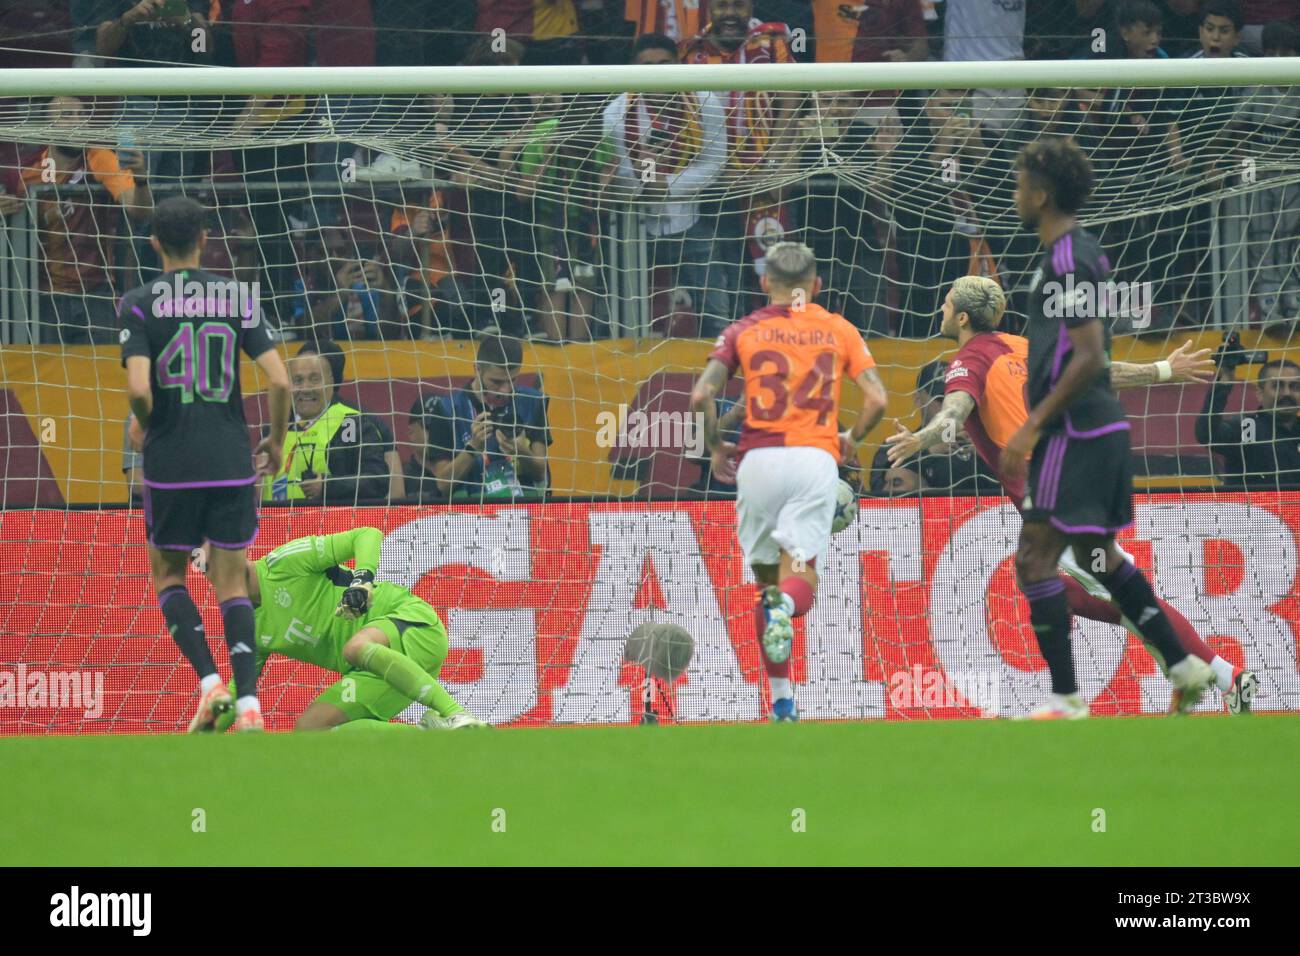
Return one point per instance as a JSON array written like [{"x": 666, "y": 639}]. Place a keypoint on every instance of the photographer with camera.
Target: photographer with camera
[
  {"x": 1261, "y": 449},
  {"x": 488, "y": 441}
]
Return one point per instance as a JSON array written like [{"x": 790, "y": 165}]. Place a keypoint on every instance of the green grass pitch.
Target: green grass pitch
[{"x": 1201, "y": 791}]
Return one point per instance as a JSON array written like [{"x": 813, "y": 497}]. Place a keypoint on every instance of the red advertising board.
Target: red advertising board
[{"x": 917, "y": 613}]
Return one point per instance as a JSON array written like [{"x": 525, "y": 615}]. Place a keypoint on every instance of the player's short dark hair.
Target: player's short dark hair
[
  {"x": 1058, "y": 165},
  {"x": 329, "y": 350},
  {"x": 178, "y": 223},
  {"x": 1280, "y": 35},
  {"x": 1279, "y": 364},
  {"x": 500, "y": 351},
  {"x": 653, "y": 41},
  {"x": 1228, "y": 9},
  {"x": 1138, "y": 11}
]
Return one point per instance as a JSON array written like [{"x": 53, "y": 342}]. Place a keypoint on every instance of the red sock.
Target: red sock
[
  {"x": 1095, "y": 609},
  {"x": 760, "y": 623},
  {"x": 801, "y": 592},
  {"x": 1083, "y": 604},
  {"x": 1187, "y": 636}
]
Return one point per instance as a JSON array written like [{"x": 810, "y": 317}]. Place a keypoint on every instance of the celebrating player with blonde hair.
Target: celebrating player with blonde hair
[{"x": 985, "y": 392}]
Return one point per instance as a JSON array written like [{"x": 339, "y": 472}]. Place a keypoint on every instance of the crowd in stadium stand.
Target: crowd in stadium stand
[{"x": 406, "y": 251}]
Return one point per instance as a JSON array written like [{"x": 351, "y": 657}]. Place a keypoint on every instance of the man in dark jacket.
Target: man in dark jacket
[{"x": 488, "y": 441}]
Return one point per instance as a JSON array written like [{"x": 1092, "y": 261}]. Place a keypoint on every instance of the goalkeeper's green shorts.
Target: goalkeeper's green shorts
[{"x": 363, "y": 696}]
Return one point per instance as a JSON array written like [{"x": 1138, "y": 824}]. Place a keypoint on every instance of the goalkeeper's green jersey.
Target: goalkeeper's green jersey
[{"x": 301, "y": 583}]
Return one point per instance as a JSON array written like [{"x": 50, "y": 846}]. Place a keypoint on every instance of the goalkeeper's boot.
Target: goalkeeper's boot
[
  {"x": 778, "y": 635},
  {"x": 215, "y": 703},
  {"x": 249, "y": 722},
  {"x": 784, "y": 711},
  {"x": 1059, "y": 707},
  {"x": 458, "y": 721},
  {"x": 1241, "y": 694},
  {"x": 1191, "y": 677}
]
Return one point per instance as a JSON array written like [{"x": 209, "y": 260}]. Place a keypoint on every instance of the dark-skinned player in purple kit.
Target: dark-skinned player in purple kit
[{"x": 1075, "y": 442}]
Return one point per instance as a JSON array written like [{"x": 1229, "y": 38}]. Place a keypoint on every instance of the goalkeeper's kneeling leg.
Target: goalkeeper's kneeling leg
[{"x": 378, "y": 649}]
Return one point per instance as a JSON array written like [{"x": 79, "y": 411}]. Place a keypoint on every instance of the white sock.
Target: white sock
[
  {"x": 782, "y": 689},
  {"x": 247, "y": 703},
  {"x": 1222, "y": 672},
  {"x": 207, "y": 683}
]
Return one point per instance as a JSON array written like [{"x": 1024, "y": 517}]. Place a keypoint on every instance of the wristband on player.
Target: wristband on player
[{"x": 1164, "y": 371}]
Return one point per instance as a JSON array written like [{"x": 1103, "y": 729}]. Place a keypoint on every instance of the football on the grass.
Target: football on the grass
[{"x": 846, "y": 507}]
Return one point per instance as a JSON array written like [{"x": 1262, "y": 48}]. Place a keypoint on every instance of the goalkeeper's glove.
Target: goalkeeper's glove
[{"x": 356, "y": 599}]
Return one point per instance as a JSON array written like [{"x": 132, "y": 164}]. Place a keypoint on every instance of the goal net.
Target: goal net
[{"x": 413, "y": 215}]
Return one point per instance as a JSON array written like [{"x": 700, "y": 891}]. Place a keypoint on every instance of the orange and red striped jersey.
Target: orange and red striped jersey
[
  {"x": 439, "y": 259},
  {"x": 794, "y": 363},
  {"x": 992, "y": 368},
  {"x": 750, "y": 116},
  {"x": 835, "y": 25},
  {"x": 678, "y": 19},
  {"x": 72, "y": 228}
]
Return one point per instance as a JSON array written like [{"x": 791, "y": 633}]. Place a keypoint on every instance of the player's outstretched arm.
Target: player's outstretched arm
[
  {"x": 943, "y": 428},
  {"x": 1181, "y": 365},
  {"x": 316, "y": 553},
  {"x": 874, "y": 401}
]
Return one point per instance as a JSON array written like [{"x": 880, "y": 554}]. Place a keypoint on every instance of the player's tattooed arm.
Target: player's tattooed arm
[
  {"x": 1181, "y": 365},
  {"x": 943, "y": 428},
  {"x": 703, "y": 397},
  {"x": 732, "y": 419}
]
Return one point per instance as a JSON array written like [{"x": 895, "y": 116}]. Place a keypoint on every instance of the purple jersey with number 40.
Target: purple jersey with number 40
[{"x": 197, "y": 435}]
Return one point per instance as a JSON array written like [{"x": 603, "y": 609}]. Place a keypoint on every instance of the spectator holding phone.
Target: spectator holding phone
[
  {"x": 1260, "y": 449},
  {"x": 348, "y": 293},
  {"x": 142, "y": 33},
  {"x": 488, "y": 441}
]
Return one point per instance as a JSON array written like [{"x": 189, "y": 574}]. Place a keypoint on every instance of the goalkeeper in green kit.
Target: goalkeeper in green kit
[{"x": 387, "y": 644}]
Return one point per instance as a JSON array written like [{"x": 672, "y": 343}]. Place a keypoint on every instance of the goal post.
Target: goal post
[
  {"x": 616, "y": 218},
  {"x": 617, "y": 78}
]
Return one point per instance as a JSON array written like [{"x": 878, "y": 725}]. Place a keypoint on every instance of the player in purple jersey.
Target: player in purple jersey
[
  {"x": 181, "y": 338},
  {"x": 1075, "y": 441}
]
